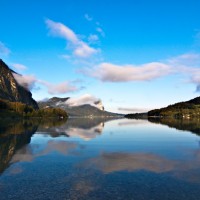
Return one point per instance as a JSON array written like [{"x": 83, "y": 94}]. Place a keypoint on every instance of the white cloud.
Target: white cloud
[
  {"x": 19, "y": 67},
  {"x": 100, "y": 30},
  {"x": 109, "y": 72},
  {"x": 59, "y": 29},
  {"x": 4, "y": 51},
  {"x": 84, "y": 50},
  {"x": 26, "y": 81},
  {"x": 60, "y": 88},
  {"x": 85, "y": 99},
  {"x": 67, "y": 57},
  {"x": 88, "y": 18},
  {"x": 29, "y": 82},
  {"x": 79, "y": 47},
  {"x": 187, "y": 65},
  {"x": 134, "y": 110},
  {"x": 185, "y": 60},
  {"x": 93, "y": 38}
]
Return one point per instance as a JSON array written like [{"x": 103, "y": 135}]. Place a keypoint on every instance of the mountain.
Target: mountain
[
  {"x": 78, "y": 111},
  {"x": 12, "y": 91},
  {"x": 136, "y": 116},
  {"x": 187, "y": 109}
]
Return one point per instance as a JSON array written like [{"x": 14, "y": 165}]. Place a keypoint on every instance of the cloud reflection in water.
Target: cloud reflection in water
[
  {"x": 114, "y": 162},
  {"x": 28, "y": 154}
]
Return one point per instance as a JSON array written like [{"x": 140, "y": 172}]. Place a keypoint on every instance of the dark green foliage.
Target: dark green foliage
[
  {"x": 17, "y": 109},
  {"x": 136, "y": 116},
  {"x": 51, "y": 112},
  {"x": 188, "y": 109}
]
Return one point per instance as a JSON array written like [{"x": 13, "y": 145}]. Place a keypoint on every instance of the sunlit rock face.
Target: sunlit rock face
[{"x": 11, "y": 90}]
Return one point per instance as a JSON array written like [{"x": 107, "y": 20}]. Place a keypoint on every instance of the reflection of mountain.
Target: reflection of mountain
[
  {"x": 192, "y": 125},
  {"x": 86, "y": 128},
  {"x": 10, "y": 143},
  {"x": 114, "y": 162},
  {"x": 14, "y": 135}
]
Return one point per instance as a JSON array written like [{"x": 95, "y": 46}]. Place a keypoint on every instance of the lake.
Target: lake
[{"x": 100, "y": 159}]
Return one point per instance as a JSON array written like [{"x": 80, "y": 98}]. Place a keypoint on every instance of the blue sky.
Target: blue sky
[{"x": 134, "y": 55}]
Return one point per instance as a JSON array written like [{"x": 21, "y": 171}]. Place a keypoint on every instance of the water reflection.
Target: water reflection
[
  {"x": 134, "y": 122},
  {"x": 85, "y": 128},
  {"x": 192, "y": 125},
  {"x": 118, "y": 161},
  {"x": 16, "y": 134},
  {"x": 28, "y": 154},
  {"x": 81, "y": 159},
  {"x": 13, "y": 137}
]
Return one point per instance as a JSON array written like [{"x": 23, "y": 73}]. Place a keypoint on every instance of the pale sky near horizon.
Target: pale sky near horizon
[{"x": 134, "y": 55}]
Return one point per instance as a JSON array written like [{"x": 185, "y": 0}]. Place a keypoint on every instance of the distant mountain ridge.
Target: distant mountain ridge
[
  {"x": 187, "y": 109},
  {"x": 75, "y": 111},
  {"x": 10, "y": 89}
]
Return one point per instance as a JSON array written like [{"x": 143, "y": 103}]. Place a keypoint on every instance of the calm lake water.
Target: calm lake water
[{"x": 100, "y": 159}]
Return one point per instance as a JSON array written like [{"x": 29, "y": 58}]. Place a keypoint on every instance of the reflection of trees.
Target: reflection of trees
[
  {"x": 8, "y": 127},
  {"x": 17, "y": 126},
  {"x": 51, "y": 122},
  {"x": 10, "y": 143},
  {"x": 17, "y": 133},
  {"x": 192, "y": 125}
]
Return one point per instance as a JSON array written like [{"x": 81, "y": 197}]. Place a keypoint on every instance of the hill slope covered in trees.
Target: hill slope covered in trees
[{"x": 187, "y": 109}]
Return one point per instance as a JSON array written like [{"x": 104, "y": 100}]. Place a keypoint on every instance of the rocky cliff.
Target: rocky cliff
[{"x": 10, "y": 90}]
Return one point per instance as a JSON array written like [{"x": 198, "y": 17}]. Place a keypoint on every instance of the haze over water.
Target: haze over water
[{"x": 95, "y": 159}]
